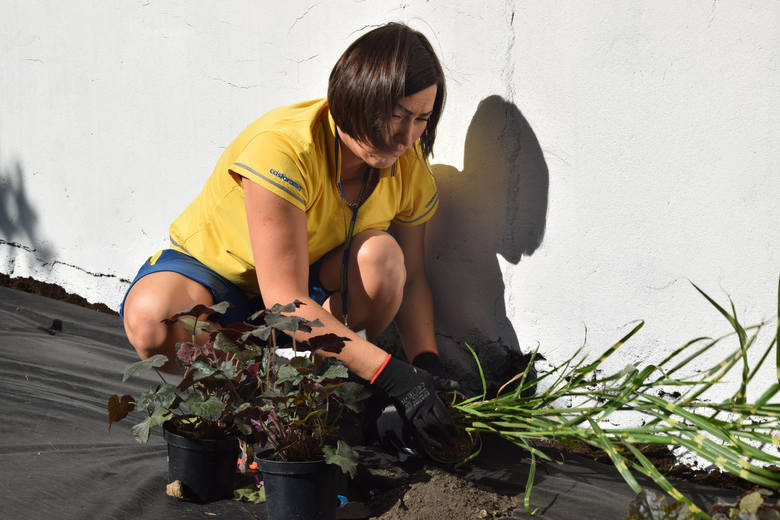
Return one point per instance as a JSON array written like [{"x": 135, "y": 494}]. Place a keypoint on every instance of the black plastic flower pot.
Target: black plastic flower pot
[
  {"x": 204, "y": 467},
  {"x": 299, "y": 490}
]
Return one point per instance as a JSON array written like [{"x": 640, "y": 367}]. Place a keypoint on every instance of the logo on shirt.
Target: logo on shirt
[{"x": 286, "y": 179}]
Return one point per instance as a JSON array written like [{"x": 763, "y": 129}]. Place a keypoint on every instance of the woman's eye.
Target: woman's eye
[{"x": 397, "y": 116}]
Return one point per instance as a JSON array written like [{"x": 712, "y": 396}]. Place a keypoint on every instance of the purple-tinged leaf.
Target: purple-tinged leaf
[
  {"x": 119, "y": 408},
  {"x": 187, "y": 352},
  {"x": 186, "y": 381},
  {"x": 328, "y": 342},
  {"x": 235, "y": 331},
  {"x": 253, "y": 368}
]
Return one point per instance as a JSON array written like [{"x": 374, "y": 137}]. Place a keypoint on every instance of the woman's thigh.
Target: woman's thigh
[
  {"x": 377, "y": 243},
  {"x": 162, "y": 294}
]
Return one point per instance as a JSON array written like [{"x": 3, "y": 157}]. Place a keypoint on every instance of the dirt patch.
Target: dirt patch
[
  {"x": 435, "y": 493},
  {"x": 665, "y": 461},
  {"x": 52, "y": 291}
]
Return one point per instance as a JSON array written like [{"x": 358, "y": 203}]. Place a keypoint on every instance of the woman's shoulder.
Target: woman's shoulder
[{"x": 299, "y": 121}]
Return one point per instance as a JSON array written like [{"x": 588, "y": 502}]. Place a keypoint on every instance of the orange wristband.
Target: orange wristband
[{"x": 381, "y": 367}]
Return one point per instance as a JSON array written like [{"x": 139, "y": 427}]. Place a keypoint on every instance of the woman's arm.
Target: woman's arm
[
  {"x": 278, "y": 234},
  {"x": 415, "y": 316}
]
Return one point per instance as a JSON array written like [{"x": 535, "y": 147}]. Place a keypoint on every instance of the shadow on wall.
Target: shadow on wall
[
  {"x": 497, "y": 204},
  {"x": 18, "y": 218}
]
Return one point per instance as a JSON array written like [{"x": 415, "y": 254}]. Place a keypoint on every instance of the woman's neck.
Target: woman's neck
[{"x": 352, "y": 166}]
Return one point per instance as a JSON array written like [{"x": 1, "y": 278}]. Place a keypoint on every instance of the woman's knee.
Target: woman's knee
[
  {"x": 143, "y": 314},
  {"x": 152, "y": 299},
  {"x": 380, "y": 262}
]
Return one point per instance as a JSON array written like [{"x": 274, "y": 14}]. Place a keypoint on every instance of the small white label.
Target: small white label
[{"x": 362, "y": 333}]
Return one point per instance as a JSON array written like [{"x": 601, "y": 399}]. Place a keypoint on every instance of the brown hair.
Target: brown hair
[{"x": 379, "y": 68}]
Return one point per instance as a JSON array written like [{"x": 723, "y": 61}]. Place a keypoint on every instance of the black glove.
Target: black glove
[
  {"x": 414, "y": 393},
  {"x": 430, "y": 362}
]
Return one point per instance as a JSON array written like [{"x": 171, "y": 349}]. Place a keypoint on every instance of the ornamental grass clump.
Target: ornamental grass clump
[{"x": 738, "y": 436}]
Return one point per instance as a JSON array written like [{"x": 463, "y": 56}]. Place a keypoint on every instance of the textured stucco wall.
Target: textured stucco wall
[{"x": 593, "y": 157}]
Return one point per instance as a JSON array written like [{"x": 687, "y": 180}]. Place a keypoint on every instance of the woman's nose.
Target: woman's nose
[{"x": 404, "y": 134}]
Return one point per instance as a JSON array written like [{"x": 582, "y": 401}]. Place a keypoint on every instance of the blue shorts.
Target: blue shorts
[{"x": 220, "y": 288}]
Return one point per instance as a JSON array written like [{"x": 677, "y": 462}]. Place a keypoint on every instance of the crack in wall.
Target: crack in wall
[
  {"x": 303, "y": 60},
  {"x": 301, "y": 17},
  {"x": 18, "y": 245},
  {"x": 509, "y": 67},
  {"x": 33, "y": 250},
  {"x": 233, "y": 84}
]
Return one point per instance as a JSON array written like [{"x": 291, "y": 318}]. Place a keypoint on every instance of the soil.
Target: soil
[
  {"x": 665, "y": 461},
  {"x": 435, "y": 493},
  {"x": 52, "y": 291},
  {"x": 430, "y": 492}
]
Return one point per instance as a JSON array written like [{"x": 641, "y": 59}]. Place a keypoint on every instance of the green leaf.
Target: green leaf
[
  {"x": 287, "y": 323},
  {"x": 225, "y": 344},
  {"x": 211, "y": 409},
  {"x": 289, "y": 372},
  {"x": 649, "y": 505},
  {"x": 751, "y": 502},
  {"x": 342, "y": 456},
  {"x": 263, "y": 332},
  {"x": 163, "y": 396},
  {"x": 202, "y": 370},
  {"x": 335, "y": 371},
  {"x": 242, "y": 426},
  {"x": 194, "y": 325},
  {"x": 250, "y": 493},
  {"x": 153, "y": 362},
  {"x": 277, "y": 308},
  {"x": 353, "y": 395},
  {"x": 142, "y": 429},
  {"x": 228, "y": 369}
]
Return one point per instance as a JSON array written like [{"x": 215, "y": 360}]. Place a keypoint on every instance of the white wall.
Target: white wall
[{"x": 593, "y": 157}]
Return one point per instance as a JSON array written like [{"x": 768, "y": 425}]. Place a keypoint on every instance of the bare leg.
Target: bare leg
[
  {"x": 376, "y": 281},
  {"x": 153, "y": 298}
]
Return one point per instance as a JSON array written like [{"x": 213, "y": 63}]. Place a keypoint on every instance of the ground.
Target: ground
[
  {"x": 435, "y": 493},
  {"x": 431, "y": 492}
]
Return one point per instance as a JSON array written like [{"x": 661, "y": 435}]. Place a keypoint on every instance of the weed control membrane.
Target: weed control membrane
[{"x": 62, "y": 361}]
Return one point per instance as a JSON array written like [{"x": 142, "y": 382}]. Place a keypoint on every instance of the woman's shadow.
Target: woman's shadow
[{"x": 496, "y": 205}]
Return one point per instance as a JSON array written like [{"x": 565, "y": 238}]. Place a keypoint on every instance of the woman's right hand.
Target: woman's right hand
[{"x": 414, "y": 392}]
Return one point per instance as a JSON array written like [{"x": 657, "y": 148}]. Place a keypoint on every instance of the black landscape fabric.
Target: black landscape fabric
[{"x": 59, "y": 461}]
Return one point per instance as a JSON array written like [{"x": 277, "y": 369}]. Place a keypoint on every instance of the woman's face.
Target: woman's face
[{"x": 409, "y": 119}]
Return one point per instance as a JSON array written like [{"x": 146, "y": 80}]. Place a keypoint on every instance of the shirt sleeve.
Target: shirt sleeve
[
  {"x": 271, "y": 161},
  {"x": 420, "y": 195}
]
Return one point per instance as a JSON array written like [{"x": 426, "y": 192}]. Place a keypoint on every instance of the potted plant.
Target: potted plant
[
  {"x": 303, "y": 400},
  {"x": 236, "y": 392}
]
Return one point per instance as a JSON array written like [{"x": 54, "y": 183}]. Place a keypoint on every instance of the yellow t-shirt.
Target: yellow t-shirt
[{"x": 291, "y": 152}]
